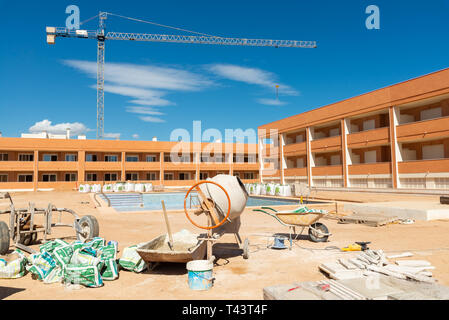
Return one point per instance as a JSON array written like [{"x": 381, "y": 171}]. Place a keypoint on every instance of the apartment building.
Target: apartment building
[
  {"x": 41, "y": 163},
  {"x": 394, "y": 137}
]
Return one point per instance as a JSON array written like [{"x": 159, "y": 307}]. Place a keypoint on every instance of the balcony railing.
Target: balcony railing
[
  {"x": 327, "y": 170},
  {"x": 16, "y": 165},
  {"x": 424, "y": 166},
  {"x": 295, "y": 149},
  {"x": 434, "y": 128},
  {"x": 298, "y": 172},
  {"x": 370, "y": 168},
  {"x": 367, "y": 138},
  {"x": 326, "y": 144}
]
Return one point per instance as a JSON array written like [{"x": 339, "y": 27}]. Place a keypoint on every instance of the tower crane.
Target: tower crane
[{"x": 200, "y": 38}]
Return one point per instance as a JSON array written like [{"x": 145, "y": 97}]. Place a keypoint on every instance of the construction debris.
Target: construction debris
[
  {"x": 401, "y": 255},
  {"x": 375, "y": 261},
  {"x": 374, "y": 220}
]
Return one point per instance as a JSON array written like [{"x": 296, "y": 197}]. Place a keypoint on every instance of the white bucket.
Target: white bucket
[
  {"x": 139, "y": 187},
  {"x": 148, "y": 187},
  {"x": 129, "y": 187},
  {"x": 263, "y": 189},
  {"x": 108, "y": 188},
  {"x": 119, "y": 187},
  {"x": 200, "y": 274},
  {"x": 84, "y": 188}
]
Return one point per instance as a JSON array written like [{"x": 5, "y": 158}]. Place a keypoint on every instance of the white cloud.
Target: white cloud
[
  {"x": 143, "y": 110},
  {"x": 135, "y": 136},
  {"x": 76, "y": 128},
  {"x": 252, "y": 76},
  {"x": 271, "y": 102},
  {"x": 112, "y": 135},
  {"x": 151, "y": 119}
]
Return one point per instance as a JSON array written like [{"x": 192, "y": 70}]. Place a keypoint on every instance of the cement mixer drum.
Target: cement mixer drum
[{"x": 235, "y": 189}]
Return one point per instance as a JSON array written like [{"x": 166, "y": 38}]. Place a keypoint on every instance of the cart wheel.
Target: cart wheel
[
  {"x": 316, "y": 237},
  {"x": 246, "y": 249},
  {"x": 89, "y": 225},
  {"x": 4, "y": 238}
]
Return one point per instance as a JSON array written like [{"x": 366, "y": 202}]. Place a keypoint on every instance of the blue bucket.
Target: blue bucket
[{"x": 200, "y": 274}]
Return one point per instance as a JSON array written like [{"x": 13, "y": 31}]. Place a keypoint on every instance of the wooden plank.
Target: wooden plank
[
  {"x": 209, "y": 205},
  {"x": 371, "y": 220}
]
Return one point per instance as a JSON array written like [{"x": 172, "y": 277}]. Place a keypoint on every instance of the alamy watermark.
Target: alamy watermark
[{"x": 373, "y": 20}]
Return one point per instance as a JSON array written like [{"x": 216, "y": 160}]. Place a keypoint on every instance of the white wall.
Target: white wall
[
  {"x": 431, "y": 113},
  {"x": 370, "y": 156}
]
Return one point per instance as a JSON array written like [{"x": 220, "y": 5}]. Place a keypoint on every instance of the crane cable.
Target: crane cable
[
  {"x": 161, "y": 25},
  {"x": 89, "y": 19}
]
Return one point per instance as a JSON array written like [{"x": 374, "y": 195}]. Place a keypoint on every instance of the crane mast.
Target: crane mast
[{"x": 101, "y": 36}]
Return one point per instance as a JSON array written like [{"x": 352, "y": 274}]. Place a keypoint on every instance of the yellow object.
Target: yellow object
[{"x": 352, "y": 247}]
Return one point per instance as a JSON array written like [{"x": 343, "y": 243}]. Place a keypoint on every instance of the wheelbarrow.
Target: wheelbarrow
[
  {"x": 300, "y": 217},
  {"x": 23, "y": 229}
]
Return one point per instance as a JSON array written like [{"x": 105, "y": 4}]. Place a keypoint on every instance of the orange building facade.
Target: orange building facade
[
  {"x": 394, "y": 137},
  {"x": 33, "y": 164}
]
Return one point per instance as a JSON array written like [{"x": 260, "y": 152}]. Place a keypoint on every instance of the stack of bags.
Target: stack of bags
[{"x": 87, "y": 264}]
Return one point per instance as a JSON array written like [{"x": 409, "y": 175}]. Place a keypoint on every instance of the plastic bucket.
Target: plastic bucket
[{"x": 200, "y": 274}]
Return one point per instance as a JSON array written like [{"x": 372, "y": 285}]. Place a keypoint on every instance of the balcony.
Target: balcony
[
  {"x": 253, "y": 166},
  {"x": 428, "y": 129},
  {"x": 58, "y": 166},
  {"x": 179, "y": 183},
  {"x": 295, "y": 172},
  {"x": 370, "y": 168},
  {"x": 16, "y": 165},
  {"x": 362, "y": 139},
  {"x": 142, "y": 166},
  {"x": 102, "y": 166},
  {"x": 295, "y": 149},
  {"x": 271, "y": 173},
  {"x": 424, "y": 166},
  {"x": 326, "y": 144},
  {"x": 205, "y": 166},
  {"x": 327, "y": 171}
]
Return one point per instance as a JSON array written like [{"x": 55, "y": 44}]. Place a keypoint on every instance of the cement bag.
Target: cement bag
[
  {"x": 148, "y": 187},
  {"x": 288, "y": 191},
  {"x": 263, "y": 189},
  {"x": 235, "y": 189},
  {"x": 84, "y": 188},
  {"x": 108, "y": 188},
  {"x": 63, "y": 255},
  {"x": 131, "y": 260},
  {"x": 50, "y": 246},
  {"x": 86, "y": 275},
  {"x": 14, "y": 266},
  {"x": 84, "y": 257},
  {"x": 54, "y": 276},
  {"x": 277, "y": 189},
  {"x": 108, "y": 252},
  {"x": 129, "y": 187},
  {"x": 270, "y": 189},
  {"x": 110, "y": 270},
  {"x": 257, "y": 189},
  {"x": 95, "y": 188},
  {"x": 119, "y": 187},
  {"x": 139, "y": 187},
  {"x": 41, "y": 264},
  {"x": 95, "y": 243}
]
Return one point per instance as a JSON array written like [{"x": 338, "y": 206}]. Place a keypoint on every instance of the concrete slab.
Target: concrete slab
[
  {"x": 402, "y": 209},
  {"x": 375, "y": 290}
]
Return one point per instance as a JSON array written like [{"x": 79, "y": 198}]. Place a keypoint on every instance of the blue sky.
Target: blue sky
[{"x": 153, "y": 88}]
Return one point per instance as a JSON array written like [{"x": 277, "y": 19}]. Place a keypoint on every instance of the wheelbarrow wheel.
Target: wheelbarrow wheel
[
  {"x": 315, "y": 236},
  {"x": 90, "y": 228},
  {"x": 4, "y": 238},
  {"x": 246, "y": 249}
]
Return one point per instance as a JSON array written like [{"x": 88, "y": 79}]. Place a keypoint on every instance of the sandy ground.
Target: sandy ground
[{"x": 236, "y": 278}]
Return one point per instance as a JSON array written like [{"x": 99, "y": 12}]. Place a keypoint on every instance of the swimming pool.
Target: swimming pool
[{"x": 175, "y": 201}]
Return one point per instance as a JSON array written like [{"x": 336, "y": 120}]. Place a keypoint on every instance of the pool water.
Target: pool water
[{"x": 175, "y": 201}]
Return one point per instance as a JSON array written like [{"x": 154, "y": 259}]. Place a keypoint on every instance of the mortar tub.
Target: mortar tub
[{"x": 157, "y": 250}]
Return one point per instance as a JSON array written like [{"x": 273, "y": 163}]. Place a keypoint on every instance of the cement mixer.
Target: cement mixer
[{"x": 222, "y": 199}]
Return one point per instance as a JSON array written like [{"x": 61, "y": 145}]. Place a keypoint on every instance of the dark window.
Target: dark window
[
  {"x": 3, "y": 157},
  {"x": 110, "y": 177},
  {"x": 132, "y": 177},
  {"x": 49, "y": 177},
  {"x": 70, "y": 177},
  {"x": 151, "y": 176},
  {"x": 26, "y": 178},
  {"x": 3, "y": 178},
  {"x": 26, "y": 157},
  {"x": 50, "y": 157},
  {"x": 91, "y": 157}
]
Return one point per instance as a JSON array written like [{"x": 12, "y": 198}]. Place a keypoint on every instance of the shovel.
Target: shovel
[{"x": 170, "y": 236}]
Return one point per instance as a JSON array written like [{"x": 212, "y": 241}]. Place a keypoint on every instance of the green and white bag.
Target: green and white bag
[
  {"x": 86, "y": 275},
  {"x": 95, "y": 243},
  {"x": 81, "y": 256},
  {"x": 110, "y": 270},
  {"x": 108, "y": 252},
  {"x": 131, "y": 260},
  {"x": 63, "y": 255},
  {"x": 41, "y": 264},
  {"x": 50, "y": 246},
  {"x": 15, "y": 268},
  {"x": 54, "y": 276}
]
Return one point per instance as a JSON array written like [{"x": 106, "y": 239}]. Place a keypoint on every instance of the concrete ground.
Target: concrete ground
[{"x": 236, "y": 278}]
